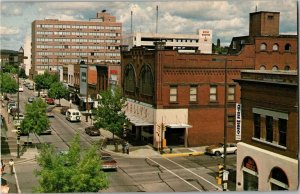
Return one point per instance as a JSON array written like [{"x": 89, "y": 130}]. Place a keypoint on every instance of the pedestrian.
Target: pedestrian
[
  {"x": 127, "y": 147},
  {"x": 2, "y": 166},
  {"x": 11, "y": 165}
]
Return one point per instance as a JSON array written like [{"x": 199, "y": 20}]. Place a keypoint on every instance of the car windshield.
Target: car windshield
[{"x": 107, "y": 158}]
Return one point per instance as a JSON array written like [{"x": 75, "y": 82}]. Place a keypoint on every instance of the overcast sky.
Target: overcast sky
[{"x": 226, "y": 19}]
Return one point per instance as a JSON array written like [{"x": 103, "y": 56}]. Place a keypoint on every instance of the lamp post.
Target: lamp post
[
  {"x": 21, "y": 51},
  {"x": 225, "y": 122}
]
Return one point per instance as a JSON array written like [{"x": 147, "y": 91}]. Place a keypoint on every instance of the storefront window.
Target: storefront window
[
  {"x": 278, "y": 179},
  {"x": 250, "y": 175}
]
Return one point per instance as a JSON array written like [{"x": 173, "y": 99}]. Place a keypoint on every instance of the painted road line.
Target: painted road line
[
  {"x": 183, "y": 154},
  {"x": 17, "y": 182},
  {"x": 194, "y": 173},
  {"x": 176, "y": 175}
]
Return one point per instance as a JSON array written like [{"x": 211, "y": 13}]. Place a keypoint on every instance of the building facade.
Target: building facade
[
  {"x": 178, "y": 98},
  {"x": 200, "y": 43},
  {"x": 267, "y": 157},
  {"x": 61, "y": 43}
]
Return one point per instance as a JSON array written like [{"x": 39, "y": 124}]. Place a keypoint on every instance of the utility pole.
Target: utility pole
[
  {"x": 225, "y": 123},
  {"x": 156, "y": 19},
  {"x": 18, "y": 111},
  {"x": 131, "y": 23}
]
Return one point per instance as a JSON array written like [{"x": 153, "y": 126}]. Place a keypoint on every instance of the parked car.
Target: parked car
[
  {"x": 49, "y": 113},
  {"x": 92, "y": 130},
  {"x": 73, "y": 115},
  {"x": 64, "y": 109},
  {"x": 30, "y": 87},
  {"x": 108, "y": 163},
  {"x": 50, "y": 101},
  {"x": 219, "y": 149},
  {"x": 21, "y": 116},
  {"x": 21, "y": 89},
  {"x": 30, "y": 99}
]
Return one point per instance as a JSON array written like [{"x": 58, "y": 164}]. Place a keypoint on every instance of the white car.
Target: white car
[
  {"x": 219, "y": 149},
  {"x": 21, "y": 89}
]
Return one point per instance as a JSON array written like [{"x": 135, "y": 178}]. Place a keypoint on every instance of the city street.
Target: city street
[{"x": 143, "y": 174}]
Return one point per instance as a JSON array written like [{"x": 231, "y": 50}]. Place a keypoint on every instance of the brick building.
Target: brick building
[
  {"x": 178, "y": 98},
  {"x": 267, "y": 157}
]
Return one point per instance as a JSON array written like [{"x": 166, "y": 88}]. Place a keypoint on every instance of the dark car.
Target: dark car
[
  {"x": 92, "y": 130},
  {"x": 108, "y": 163},
  {"x": 30, "y": 99},
  {"x": 64, "y": 109},
  {"x": 50, "y": 101},
  {"x": 49, "y": 113}
]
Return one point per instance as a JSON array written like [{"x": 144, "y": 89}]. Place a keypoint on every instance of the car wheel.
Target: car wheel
[
  {"x": 235, "y": 151},
  {"x": 217, "y": 153}
]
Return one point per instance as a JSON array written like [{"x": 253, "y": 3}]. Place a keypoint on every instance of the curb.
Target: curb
[{"x": 183, "y": 154}]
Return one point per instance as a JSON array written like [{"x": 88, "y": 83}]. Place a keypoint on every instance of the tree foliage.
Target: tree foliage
[
  {"x": 22, "y": 73},
  {"x": 35, "y": 120},
  {"x": 57, "y": 91},
  {"x": 110, "y": 113},
  {"x": 75, "y": 171},
  {"x": 8, "y": 84},
  {"x": 44, "y": 81}
]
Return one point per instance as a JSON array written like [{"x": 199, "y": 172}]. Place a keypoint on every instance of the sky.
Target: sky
[{"x": 226, "y": 19}]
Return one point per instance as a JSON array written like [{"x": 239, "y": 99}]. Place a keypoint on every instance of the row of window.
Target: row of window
[
  {"x": 76, "y": 47},
  {"x": 78, "y": 33},
  {"x": 275, "y": 67},
  {"x": 213, "y": 95},
  {"x": 78, "y": 54},
  {"x": 73, "y": 61},
  {"x": 275, "y": 47},
  {"x": 78, "y": 26},
  {"x": 76, "y": 40},
  {"x": 269, "y": 129}
]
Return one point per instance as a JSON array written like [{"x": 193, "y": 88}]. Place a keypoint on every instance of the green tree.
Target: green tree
[
  {"x": 35, "y": 120},
  {"x": 22, "y": 73},
  {"x": 8, "y": 84},
  {"x": 57, "y": 91},
  {"x": 110, "y": 113},
  {"x": 44, "y": 81},
  {"x": 75, "y": 171}
]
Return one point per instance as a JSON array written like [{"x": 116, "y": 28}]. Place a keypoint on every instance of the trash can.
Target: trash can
[{"x": 171, "y": 150}]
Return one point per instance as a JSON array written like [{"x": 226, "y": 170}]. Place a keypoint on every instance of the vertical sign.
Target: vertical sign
[{"x": 238, "y": 122}]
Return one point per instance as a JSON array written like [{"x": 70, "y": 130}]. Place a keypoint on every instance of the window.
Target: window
[
  {"x": 193, "y": 94},
  {"x": 173, "y": 94},
  {"x": 262, "y": 67},
  {"x": 231, "y": 93},
  {"x": 256, "y": 119},
  {"x": 287, "y": 67},
  {"x": 282, "y": 127},
  {"x": 146, "y": 81},
  {"x": 287, "y": 47},
  {"x": 234, "y": 44},
  {"x": 274, "y": 68},
  {"x": 270, "y": 17},
  {"x": 213, "y": 94},
  {"x": 275, "y": 47},
  {"x": 263, "y": 46},
  {"x": 231, "y": 121},
  {"x": 130, "y": 83},
  {"x": 269, "y": 128},
  {"x": 278, "y": 180}
]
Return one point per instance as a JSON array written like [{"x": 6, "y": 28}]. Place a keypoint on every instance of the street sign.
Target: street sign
[{"x": 225, "y": 175}]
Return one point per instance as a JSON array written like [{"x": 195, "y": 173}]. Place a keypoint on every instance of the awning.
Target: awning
[
  {"x": 83, "y": 98},
  {"x": 181, "y": 125},
  {"x": 137, "y": 121}
]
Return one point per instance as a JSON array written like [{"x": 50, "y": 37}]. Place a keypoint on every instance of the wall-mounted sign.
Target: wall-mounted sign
[{"x": 238, "y": 122}]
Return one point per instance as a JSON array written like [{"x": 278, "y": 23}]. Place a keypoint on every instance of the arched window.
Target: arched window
[
  {"x": 146, "y": 83},
  {"x": 262, "y": 67},
  {"x": 275, "y": 47},
  {"x": 287, "y": 47},
  {"x": 250, "y": 174},
  {"x": 129, "y": 76},
  {"x": 278, "y": 179},
  {"x": 274, "y": 68},
  {"x": 287, "y": 67},
  {"x": 263, "y": 46}
]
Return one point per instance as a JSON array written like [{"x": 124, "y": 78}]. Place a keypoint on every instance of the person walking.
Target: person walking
[
  {"x": 127, "y": 147},
  {"x": 11, "y": 165},
  {"x": 2, "y": 167}
]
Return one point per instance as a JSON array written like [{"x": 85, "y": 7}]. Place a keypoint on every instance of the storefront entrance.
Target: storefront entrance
[{"x": 174, "y": 136}]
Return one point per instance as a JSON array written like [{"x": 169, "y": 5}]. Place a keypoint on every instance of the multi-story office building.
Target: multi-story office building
[
  {"x": 200, "y": 43},
  {"x": 57, "y": 44},
  {"x": 267, "y": 156}
]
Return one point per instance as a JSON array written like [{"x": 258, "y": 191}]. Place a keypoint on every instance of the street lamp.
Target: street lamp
[{"x": 21, "y": 51}]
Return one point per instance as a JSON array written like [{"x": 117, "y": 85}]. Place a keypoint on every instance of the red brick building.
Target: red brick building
[
  {"x": 178, "y": 98},
  {"x": 267, "y": 157}
]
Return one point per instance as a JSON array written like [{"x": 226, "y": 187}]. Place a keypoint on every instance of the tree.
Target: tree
[
  {"x": 77, "y": 170},
  {"x": 57, "y": 91},
  {"x": 35, "y": 120},
  {"x": 8, "y": 84},
  {"x": 22, "y": 73},
  {"x": 110, "y": 113},
  {"x": 44, "y": 81}
]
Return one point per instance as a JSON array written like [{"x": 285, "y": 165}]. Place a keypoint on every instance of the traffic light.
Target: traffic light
[{"x": 220, "y": 175}]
